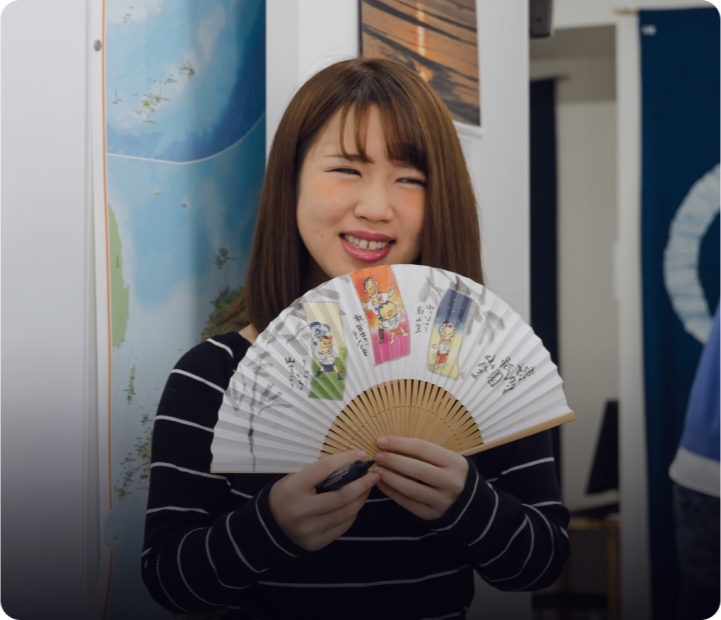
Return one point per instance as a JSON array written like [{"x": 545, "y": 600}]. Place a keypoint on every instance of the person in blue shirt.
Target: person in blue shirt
[{"x": 695, "y": 475}]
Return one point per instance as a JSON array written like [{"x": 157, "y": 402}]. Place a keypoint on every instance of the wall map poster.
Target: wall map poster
[
  {"x": 179, "y": 153},
  {"x": 438, "y": 39}
]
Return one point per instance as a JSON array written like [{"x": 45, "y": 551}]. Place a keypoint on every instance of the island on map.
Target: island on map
[
  {"x": 224, "y": 302},
  {"x": 135, "y": 467},
  {"x": 131, "y": 386},
  {"x": 226, "y": 299},
  {"x": 119, "y": 291}
]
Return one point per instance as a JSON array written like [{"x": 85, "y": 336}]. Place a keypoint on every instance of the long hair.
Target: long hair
[{"x": 417, "y": 128}]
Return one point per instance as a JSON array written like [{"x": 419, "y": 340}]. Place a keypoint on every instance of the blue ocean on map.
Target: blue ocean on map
[
  {"x": 184, "y": 80},
  {"x": 179, "y": 216}
]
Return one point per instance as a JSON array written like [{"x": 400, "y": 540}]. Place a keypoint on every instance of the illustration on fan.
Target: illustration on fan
[{"x": 325, "y": 351}]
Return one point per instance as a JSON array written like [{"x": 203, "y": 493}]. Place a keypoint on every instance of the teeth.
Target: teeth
[{"x": 364, "y": 244}]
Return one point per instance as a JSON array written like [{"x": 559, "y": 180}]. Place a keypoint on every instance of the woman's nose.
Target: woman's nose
[{"x": 375, "y": 203}]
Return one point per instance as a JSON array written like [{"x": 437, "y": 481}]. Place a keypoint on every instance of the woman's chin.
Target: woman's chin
[{"x": 344, "y": 263}]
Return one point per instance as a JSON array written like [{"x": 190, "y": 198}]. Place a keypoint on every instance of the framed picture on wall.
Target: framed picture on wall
[{"x": 436, "y": 38}]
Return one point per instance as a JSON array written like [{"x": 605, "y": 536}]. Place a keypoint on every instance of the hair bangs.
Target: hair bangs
[{"x": 404, "y": 141}]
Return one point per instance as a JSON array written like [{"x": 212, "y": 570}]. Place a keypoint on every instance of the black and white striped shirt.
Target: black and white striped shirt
[{"x": 212, "y": 544}]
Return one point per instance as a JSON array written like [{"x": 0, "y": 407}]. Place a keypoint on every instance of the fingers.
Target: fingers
[
  {"x": 413, "y": 468},
  {"x": 424, "y": 461},
  {"x": 345, "y": 509},
  {"x": 320, "y": 524},
  {"x": 316, "y": 472},
  {"x": 418, "y": 448},
  {"x": 307, "y": 517},
  {"x": 420, "y": 476},
  {"x": 351, "y": 492},
  {"x": 418, "y": 508},
  {"x": 423, "y": 501},
  {"x": 345, "y": 504},
  {"x": 409, "y": 488}
]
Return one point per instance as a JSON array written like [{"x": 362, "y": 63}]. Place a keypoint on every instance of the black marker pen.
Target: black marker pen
[{"x": 343, "y": 476}]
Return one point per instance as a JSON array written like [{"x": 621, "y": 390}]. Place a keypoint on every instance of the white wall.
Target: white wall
[
  {"x": 588, "y": 313},
  {"x": 46, "y": 310},
  {"x": 501, "y": 173},
  {"x": 579, "y": 13},
  {"x": 303, "y": 37},
  {"x": 635, "y": 560}
]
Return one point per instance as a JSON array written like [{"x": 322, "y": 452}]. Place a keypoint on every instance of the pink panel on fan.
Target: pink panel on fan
[{"x": 387, "y": 320}]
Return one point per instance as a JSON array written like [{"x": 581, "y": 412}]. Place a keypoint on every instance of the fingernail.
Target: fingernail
[
  {"x": 380, "y": 457},
  {"x": 362, "y": 456},
  {"x": 379, "y": 471},
  {"x": 375, "y": 478},
  {"x": 382, "y": 442}
]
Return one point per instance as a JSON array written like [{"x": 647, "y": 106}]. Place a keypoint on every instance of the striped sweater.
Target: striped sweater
[{"x": 212, "y": 544}]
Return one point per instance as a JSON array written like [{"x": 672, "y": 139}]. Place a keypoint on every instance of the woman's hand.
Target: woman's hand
[
  {"x": 437, "y": 475},
  {"x": 313, "y": 520}
]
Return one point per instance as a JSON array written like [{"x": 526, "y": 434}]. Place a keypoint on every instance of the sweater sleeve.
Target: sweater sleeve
[
  {"x": 205, "y": 540},
  {"x": 509, "y": 520}
]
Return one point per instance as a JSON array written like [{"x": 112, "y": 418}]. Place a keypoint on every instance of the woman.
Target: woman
[{"x": 365, "y": 169}]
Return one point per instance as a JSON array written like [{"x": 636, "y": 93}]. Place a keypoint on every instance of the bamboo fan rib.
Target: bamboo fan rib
[
  {"x": 400, "y": 350},
  {"x": 403, "y": 408}
]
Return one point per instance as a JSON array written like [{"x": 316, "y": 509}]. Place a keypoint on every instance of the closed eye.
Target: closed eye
[
  {"x": 346, "y": 171},
  {"x": 413, "y": 181}
]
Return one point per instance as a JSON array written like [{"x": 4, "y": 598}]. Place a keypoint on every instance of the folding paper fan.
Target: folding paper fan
[{"x": 398, "y": 350}]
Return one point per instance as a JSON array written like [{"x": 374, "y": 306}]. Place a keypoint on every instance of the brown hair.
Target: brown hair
[{"x": 418, "y": 129}]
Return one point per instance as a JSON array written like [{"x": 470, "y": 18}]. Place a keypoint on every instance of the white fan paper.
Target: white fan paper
[{"x": 401, "y": 350}]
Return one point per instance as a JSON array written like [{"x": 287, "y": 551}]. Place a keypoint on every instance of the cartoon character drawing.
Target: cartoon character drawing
[
  {"x": 390, "y": 318},
  {"x": 375, "y": 300},
  {"x": 325, "y": 351},
  {"x": 444, "y": 347}
]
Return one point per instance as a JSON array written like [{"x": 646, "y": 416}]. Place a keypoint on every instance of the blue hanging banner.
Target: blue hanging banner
[{"x": 680, "y": 246}]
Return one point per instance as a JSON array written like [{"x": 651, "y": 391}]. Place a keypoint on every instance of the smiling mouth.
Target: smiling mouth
[{"x": 364, "y": 244}]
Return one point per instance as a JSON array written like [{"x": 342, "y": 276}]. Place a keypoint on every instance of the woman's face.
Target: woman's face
[{"x": 353, "y": 214}]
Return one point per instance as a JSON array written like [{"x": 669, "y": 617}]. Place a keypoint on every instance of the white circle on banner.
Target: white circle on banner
[{"x": 680, "y": 258}]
